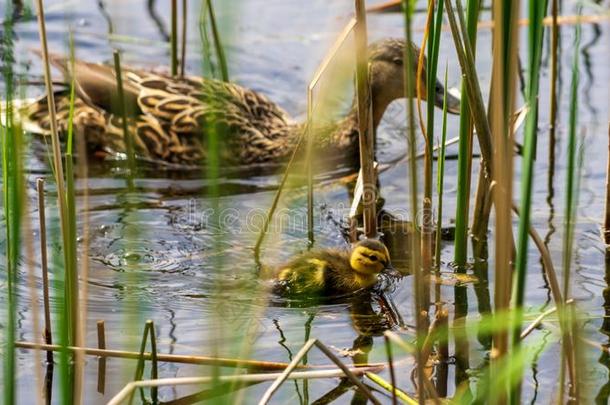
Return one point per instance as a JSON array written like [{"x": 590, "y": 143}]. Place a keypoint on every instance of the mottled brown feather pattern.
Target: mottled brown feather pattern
[{"x": 173, "y": 118}]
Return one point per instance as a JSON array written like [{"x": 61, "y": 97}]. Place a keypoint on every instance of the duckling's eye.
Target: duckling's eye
[
  {"x": 373, "y": 258},
  {"x": 397, "y": 62}
]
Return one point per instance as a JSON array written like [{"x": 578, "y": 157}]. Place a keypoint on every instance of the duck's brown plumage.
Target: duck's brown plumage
[{"x": 171, "y": 119}]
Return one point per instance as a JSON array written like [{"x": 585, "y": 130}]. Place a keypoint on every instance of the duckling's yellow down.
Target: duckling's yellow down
[{"x": 332, "y": 272}]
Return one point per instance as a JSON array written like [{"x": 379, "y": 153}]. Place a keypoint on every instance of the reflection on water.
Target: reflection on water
[{"x": 156, "y": 253}]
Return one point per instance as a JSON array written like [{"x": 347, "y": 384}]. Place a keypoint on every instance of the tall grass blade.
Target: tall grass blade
[
  {"x": 571, "y": 201},
  {"x": 174, "y": 37},
  {"x": 440, "y": 179},
  {"x": 418, "y": 296},
  {"x": 220, "y": 53},
  {"x": 12, "y": 182},
  {"x": 465, "y": 156},
  {"x": 535, "y": 34}
]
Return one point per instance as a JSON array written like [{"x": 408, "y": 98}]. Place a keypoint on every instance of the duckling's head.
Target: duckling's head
[
  {"x": 387, "y": 72},
  {"x": 369, "y": 257}
]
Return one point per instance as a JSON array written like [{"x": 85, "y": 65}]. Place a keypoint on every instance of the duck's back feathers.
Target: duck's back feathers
[{"x": 170, "y": 118}]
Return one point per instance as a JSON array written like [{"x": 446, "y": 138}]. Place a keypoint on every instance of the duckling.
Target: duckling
[
  {"x": 333, "y": 272},
  {"x": 172, "y": 117}
]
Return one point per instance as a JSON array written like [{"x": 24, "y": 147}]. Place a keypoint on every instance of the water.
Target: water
[{"x": 195, "y": 275}]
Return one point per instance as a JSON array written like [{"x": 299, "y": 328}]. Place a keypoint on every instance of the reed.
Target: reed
[
  {"x": 123, "y": 112},
  {"x": 365, "y": 123},
  {"x": 42, "y": 229},
  {"x": 396, "y": 393},
  {"x": 101, "y": 361},
  {"x": 71, "y": 292},
  {"x": 183, "y": 38},
  {"x": 420, "y": 302},
  {"x": 571, "y": 203},
  {"x": 502, "y": 97},
  {"x": 441, "y": 180},
  {"x": 460, "y": 255},
  {"x": 149, "y": 333},
  {"x": 220, "y": 53},
  {"x": 174, "y": 38},
  {"x": 12, "y": 203},
  {"x": 535, "y": 34},
  {"x": 553, "y": 78},
  {"x": 434, "y": 37}
]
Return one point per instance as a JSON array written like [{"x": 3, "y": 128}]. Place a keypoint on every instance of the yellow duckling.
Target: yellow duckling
[{"x": 333, "y": 272}]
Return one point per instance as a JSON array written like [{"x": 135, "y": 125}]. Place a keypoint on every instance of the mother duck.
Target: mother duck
[{"x": 170, "y": 118}]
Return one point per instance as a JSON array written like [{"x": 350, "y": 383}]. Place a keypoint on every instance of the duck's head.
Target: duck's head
[
  {"x": 369, "y": 257},
  {"x": 387, "y": 73}
]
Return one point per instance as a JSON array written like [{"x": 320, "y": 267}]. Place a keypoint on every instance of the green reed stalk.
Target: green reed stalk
[
  {"x": 535, "y": 34},
  {"x": 70, "y": 323},
  {"x": 149, "y": 330},
  {"x": 441, "y": 179},
  {"x": 122, "y": 108},
  {"x": 71, "y": 303},
  {"x": 554, "y": 49},
  {"x": 183, "y": 38},
  {"x": 536, "y": 13},
  {"x": 434, "y": 37},
  {"x": 465, "y": 153},
  {"x": 174, "y": 38},
  {"x": 12, "y": 181},
  {"x": 571, "y": 190},
  {"x": 407, "y": 8},
  {"x": 220, "y": 53}
]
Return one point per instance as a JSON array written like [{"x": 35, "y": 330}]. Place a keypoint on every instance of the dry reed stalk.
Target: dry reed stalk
[
  {"x": 419, "y": 299},
  {"x": 606, "y": 229},
  {"x": 57, "y": 160},
  {"x": 502, "y": 106},
  {"x": 388, "y": 350},
  {"x": 174, "y": 37},
  {"x": 84, "y": 262},
  {"x": 284, "y": 375},
  {"x": 168, "y": 358},
  {"x": 34, "y": 303},
  {"x": 101, "y": 362},
  {"x": 183, "y": 39},
  {"x": 538, "y": 321},
  {"x": 244, "y": 378},
  {"x": 426, "y": 240},
  {"x": 48, "y": 336},
  {"x": 276, "y": 197},
  {"x": 346, "y": 370},
  {"x": 365, "y": 123}
]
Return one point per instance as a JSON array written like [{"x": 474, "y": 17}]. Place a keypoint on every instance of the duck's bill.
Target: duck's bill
[{"x": 453, "y": 101}]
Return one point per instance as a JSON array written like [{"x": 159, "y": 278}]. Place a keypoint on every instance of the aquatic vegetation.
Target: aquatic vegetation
[{"x": 172, "y": 194}]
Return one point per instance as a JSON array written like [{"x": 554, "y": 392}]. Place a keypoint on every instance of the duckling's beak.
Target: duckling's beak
[{"x": 453, "y": 102}]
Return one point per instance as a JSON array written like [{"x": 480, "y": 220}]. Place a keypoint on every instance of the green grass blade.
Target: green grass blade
[
  {"x": 441, "y": 178},
  {"x": 465, "y": 155},
  {"x": 536, "y": 16}
]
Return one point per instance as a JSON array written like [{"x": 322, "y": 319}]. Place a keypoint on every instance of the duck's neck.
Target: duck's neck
[
  {"x": 341, "y": 136},
  {"x": 346, "y": 132}
]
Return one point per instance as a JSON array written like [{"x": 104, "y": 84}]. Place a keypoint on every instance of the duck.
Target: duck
[
  {"x": 171, "y": 118},
  {"x": 332, "y": 272}
]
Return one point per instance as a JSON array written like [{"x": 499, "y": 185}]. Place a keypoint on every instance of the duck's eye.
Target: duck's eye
[
  {"x": 397, "y": 62},
  {"x": 373, "y": 258}
]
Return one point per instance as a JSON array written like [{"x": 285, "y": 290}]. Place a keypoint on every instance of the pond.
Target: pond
[{"x": 173, "y": 254}]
